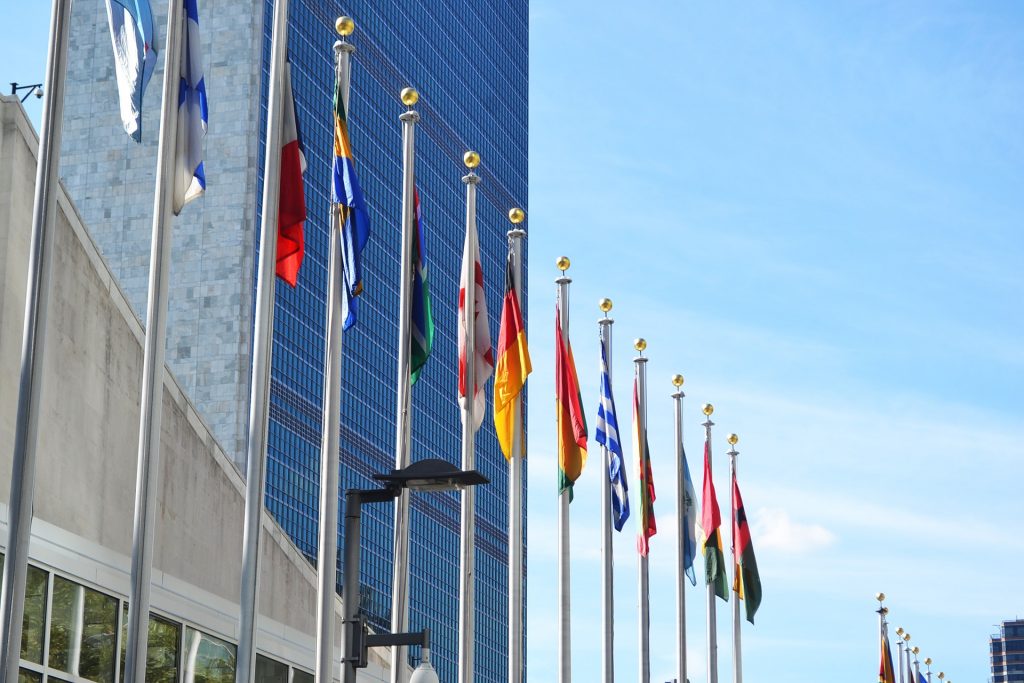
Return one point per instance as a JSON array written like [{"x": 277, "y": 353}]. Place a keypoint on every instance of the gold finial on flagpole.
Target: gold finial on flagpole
[
  {"x": 471, "y": 159},
  {"x": 516, "y": 215},
  {"x": 733, "y": 439},
  {"x": 899, "y": 631},
  {"x": 677, "y": 381},
  {"x": 906, "y": 637},
  {"x": 605, "y": 305},
  {"x": 410, "y": 97},
  {"x": 880, "y": 597},
  {"x": 915, "y": 650},
  {"x": 562, "y": 263},
  {"x": 941, "y": 675},
  {"x": 640, "y": 344},
  {"x": 707, "y": 409},
  {"x": 344, "y": 26},
  {"x": 928, "y": 661}
]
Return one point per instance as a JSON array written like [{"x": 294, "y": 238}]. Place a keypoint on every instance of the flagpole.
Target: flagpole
[
  {"x": 327, "y": 538},
  {"x": 515, "y": 485},
  {"x": 917, "y": 665},
  {"x": 607, "y": 549},
  {"x": 37, "y": 299},
  {"x": 737, "y": 650},
  {"x": 640, "y": 368},
  {"x": 564, "y": 590},
  {"x": 928, "y": 665},
  {"x": 882, "y": 631},
  {"x": 681, "y": 507},
  {"x": 400, "y": 584},
  {"x": 467, "y": 544},
  {"x": 259, "y": 400},
  {"x": 712, "y": 616},
  {"x": 899, "y": 644},
  {"x": 148, "y": 471},
  {"x": 905, "y": 670}
]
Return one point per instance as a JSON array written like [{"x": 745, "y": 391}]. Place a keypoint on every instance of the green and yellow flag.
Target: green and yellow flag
[
  {"x": 711, "y": 529},
  {"x": 572, "y": 425}
]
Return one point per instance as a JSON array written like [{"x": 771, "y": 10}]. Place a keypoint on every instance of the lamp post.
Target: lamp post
[{"x": 429, "y": 475}]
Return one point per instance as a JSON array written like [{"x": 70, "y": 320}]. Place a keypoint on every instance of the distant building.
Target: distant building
[{"x": 1007, "y": 652}]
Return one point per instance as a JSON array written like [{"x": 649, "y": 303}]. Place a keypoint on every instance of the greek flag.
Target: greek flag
[
  {"x": 608, "y": 436},
  {"x": 134, "y": 37},
  {"x": 189, "y": 177}
]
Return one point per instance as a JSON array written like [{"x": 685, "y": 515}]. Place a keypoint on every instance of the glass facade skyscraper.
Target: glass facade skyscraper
[
  {"x": 468, "y": 59},
  {"x": 1007, "y": 652}
]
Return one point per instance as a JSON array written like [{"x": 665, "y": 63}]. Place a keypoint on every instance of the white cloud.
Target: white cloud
[{"x": 774, "y": 529}]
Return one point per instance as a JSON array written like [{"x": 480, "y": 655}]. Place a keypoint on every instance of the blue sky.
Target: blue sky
[{"x": 812, "y": 211}]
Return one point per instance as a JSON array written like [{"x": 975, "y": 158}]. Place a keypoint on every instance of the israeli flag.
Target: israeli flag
[
  {"x": 134, "y": 38},
  {"x": 189, "y": 176},
  {"x": 608, "y": 436}
]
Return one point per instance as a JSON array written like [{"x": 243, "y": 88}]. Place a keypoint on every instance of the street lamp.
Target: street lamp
[{"x": 428, "y": 475}]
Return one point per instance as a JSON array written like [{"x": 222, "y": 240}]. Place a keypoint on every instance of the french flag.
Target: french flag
[
  {"x": 133, "y": 34},
  {"x": 292, "y": 206}
]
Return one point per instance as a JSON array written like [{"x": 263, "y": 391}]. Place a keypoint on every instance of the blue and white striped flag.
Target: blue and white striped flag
[
  {"x": 189, "y": 177},
  {"x": 691, "y": 516},
  {"x": 608, "y": 436},
  {"x": 134, "y": 38}
]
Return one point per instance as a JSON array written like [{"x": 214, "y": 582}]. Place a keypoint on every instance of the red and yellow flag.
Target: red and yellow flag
[
  {"x": 648, "y": 527},
  {"x": 572, "y": 425},
  {"x": 512, "y": 367},
  {"x": 885, "y": 671}
]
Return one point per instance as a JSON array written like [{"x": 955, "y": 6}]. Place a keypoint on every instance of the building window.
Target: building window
[
  {"x": 162, "y": 652},
  {"x": 270, "y": 671},
  {"x": 83, "y": 631}
]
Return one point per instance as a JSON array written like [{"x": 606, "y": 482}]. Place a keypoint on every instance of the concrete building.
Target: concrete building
[
  {"x": 469, "y": 61},
  {"x": 78, "y": 579},
  {"x": 1007, "y": 653}
]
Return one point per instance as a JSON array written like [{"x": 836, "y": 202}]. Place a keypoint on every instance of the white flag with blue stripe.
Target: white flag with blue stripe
[
  {"x": 608, "y": 436},
  {"x": 189, "y": 176},
  {"x": 134, "y": 38}
]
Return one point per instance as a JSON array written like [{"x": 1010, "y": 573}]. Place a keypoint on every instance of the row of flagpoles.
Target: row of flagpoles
[
  {"x": 905, "y": 670},
  {"x": 179, "y": 179},
  {"x": 572, "y": 456}
]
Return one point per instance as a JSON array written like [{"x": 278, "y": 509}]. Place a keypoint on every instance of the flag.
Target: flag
[
  {"x": 746, "y": 581},
  {"x": 134, "y": 38},
  {"x": 352, "y": 215},
  {"x": 513, "y": 363},
  {"x": 608, "y": 436},
  {"x": 483, "y": 358},
  {"x": 189, "y": 176},
  {"x": 921, "y": 678},
  {"x": 648, "y": 527},
  {"x": 885, "y": 671},
  {"x": 572, "y": 425},
  {"x": 711, "y": 522},
  {"x": 422, "y": 332},
  {"x": 292, "y": 202},
  {"x": 690, "y": 516}
]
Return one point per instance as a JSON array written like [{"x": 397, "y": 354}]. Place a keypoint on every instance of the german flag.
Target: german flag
[
  {"x": 513, "y": 365},
  {"x": 885, "y": 671},
  {"x": 746, "y": 581},
  {"x": 572, "y": 425},
  {"x": 711, "y": 522}
]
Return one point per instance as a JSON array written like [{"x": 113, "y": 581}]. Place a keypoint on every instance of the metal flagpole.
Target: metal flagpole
[
  {"x": 917, "y": 665},
  {"x": 899, "y": 644},
  {"x": 40, "y": 267},
  {"x": 327, "y": 539},
  {"x": 148, "y": 472},
  {"x": 928, "y": 665},
  {"x": 467, "y": 543},
  {"x": 905, "y": 669},
  {"x": 712, "y": 616},
  {"x": 882, "y": 627},
  {"x": 737, "y": 650},
  {"x": 564, "y": 595},
  {"x": 607, "y": 549},
  {"x": 681, "y": 506},
  {"x": 640, "y": 367},
  {"x": 400, "y": 585},
  {"x": 515, "y": 484},
  {"x": 259, "y": 398}
]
